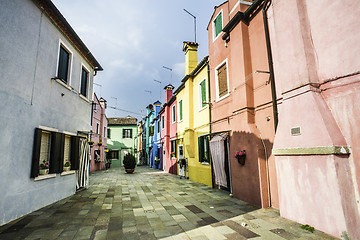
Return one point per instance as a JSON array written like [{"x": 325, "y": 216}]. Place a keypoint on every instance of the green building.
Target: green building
[{"x": 122, "y": 138}]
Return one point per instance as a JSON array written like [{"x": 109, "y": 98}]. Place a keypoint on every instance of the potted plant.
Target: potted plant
[
  {"x": 67, "y": 165},
  {"x": 129, "y": 163},
  {"x": 44, "y": 168},
  {"x": 100, "y": 143},
  {"x": 240, "y": 156},
  {"x": 173, "y": 154},
  {"x": 91, "y": 143}
]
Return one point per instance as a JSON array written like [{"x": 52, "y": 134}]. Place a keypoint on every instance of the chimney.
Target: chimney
[
  {"x": 190, "y": 49},
  {"x": 168, "y": 92},
  {"x": 103, "y": 103}
]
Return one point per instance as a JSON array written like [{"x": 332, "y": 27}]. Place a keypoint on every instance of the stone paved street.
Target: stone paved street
[{"x": 152, "y": 205}]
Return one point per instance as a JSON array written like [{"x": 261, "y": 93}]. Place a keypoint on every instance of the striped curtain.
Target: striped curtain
[{"x": 83, "y": 173}]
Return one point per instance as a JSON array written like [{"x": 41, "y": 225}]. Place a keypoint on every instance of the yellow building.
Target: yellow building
[{"x": 193, "y": 125}]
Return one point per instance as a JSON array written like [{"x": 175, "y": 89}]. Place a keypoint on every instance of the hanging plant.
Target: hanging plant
[{"x": 240, "y": 156}]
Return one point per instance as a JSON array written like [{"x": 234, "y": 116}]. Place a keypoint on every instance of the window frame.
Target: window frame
[
  {"x": 214, "y": 27},
  {"x": 83, "y": 67},
  {"x": 162, "y": 122},
  {"x": 202, "y": 145},
  {"x": 180, "y": 110},
  {"x": 97, "y": 128},
  {"x": 124, "y": 135},
  {"x": 69, "y": 70},
  {"x": 108, "y": 133},
  {"x": 201, "y": 105},
  {"x": 173, "y": 112},
  {"x": 218, "y": 98}
]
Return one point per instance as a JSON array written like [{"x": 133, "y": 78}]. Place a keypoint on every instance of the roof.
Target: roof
[
  {"x": 59, "y": 20},
  {"x": 122, "y": 121}
]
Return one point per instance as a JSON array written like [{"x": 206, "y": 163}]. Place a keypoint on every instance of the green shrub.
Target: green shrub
[{"x": 129, "y": 161}]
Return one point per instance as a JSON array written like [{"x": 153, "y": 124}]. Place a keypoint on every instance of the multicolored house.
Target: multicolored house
[
  {"x": 121, "y": 138},
  {"x": 98, "y": 138},
  {"x": 193, "y": 122}
]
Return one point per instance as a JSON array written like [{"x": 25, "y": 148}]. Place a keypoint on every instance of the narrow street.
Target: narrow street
[{"x": 152, "y": 205}]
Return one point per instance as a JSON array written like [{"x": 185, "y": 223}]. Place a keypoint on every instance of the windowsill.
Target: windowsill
[
  {"x": 202, "y": 108},
  {"x": 43, "y": 177},
  {"x": 63, "y": 84},
  {"x": 223, "y": 97},
  {"x": 205, "y": 163},
  {"x": 67, "y": 173},
  {"x": 180, "y": 121},
  {"x": 84, "y": 98}
]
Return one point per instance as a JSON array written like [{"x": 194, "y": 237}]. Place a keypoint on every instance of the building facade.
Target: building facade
[
  {"x": 155, "y": 140},
  {"x": 98, "y": 138},
  {"x": 242, "y": 110},
  {"x": 316, "y": 145},
  {"x": 47, "y": 84},
  {"x": 121, "y": 138}
]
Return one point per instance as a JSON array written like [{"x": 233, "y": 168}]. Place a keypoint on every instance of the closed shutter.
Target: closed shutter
[
  {"x": 201, "y": 148},
  {"x": 222, "y": 80},
  {"x": 180, "y": 110},
  {"x": 36, "y": 153},
  {"x": 207, "y": 149},
  {"x": 218, "y": 24},
  {"x": 57, "y": 152},
  {"x": 203, "y": 93},
  {"x": 75, "y": 152}
]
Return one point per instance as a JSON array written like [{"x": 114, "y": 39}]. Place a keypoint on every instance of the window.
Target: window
[
  {"x": 108, "y": 133},
  {"x": 173, "y": 148},
  {"x": 67, "y": 149},
  {"x": 181, "y": 151},
  {"x": 202, "y": 94},
  {"x": 173, "y": 114},
  {"x": 45, "y": 147},
  {"x": 204, "y": 150},
  {"x": 64, "y": 64},
  {"x": 104, "y": 132},
  {"x": 222, "y": 88},
  {"x": 127, "y": 133},
  {"x": 162, "y": 122},
  {"x": 217, "y": 25},
  {"x": 84, "y": 81},
  {"x": 180, "y": 110},
  {"x": 97, "y": 128},
  {"x": 158, "y": 126},
  {"x": 151, "y": 131}
]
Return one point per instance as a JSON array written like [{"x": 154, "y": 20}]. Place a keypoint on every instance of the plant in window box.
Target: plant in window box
[
  {"x": 240, "y": 156},
  {"x": 129, "y": 163},
  {"x": 44, "y": 168},
  {"x": 99, "y": 143},
  {"x": 67, "y": 165},
  {"x": 173, "y": 154},
  {"x": 91, "y": 143}
]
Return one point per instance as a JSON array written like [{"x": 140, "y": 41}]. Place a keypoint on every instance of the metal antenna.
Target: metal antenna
[
  {"x": 115, "y": 101},
  {"x": 194, "y": 21},
  {"x": 170, "y": 69},
  {"x": 100, "y": 88},
  {"x": 160, "y": 87}
]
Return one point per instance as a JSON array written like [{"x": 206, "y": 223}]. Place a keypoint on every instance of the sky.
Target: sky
[{"x": 133, "y": 40}]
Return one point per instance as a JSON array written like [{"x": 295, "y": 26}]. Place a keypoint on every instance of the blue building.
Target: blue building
[{"x": 156, "y": 138}]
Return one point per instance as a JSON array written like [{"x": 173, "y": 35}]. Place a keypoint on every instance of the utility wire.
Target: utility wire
[{"x": 123, "y": 110}]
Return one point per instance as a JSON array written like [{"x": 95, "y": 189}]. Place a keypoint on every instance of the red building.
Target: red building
[
  {"x": 168, "y": 131},
  {"x": 98, "y": 138},
  {"x": 242, "y": 110}
]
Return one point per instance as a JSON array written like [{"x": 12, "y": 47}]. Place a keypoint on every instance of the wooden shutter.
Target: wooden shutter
[
  {"x": 180, "y": 110},
  {"x": 201, "y": 148},
  {"x": 207, "y": 152},
  {"x": 222, "y": 80},
  {"x": 75, "y": 152},
  {"x": 56, "y": 152},
  {"x": 218, "y": 24},
  {"x": 36, "y": 153},
  {"x": 203, "y": 93}
]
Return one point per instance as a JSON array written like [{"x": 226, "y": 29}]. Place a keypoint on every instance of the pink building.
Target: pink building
[
  {"x": 168, "y": 131},
  {"x": 317, "y": 144},
  {"x": 98, "y": 139}
]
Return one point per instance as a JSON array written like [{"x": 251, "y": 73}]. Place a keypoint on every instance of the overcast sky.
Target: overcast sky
[{"x": 133, "y": 40}]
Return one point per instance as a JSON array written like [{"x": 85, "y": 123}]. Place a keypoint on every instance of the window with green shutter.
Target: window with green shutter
[
  {"x": 173, "y": 114},
  {"x": 202, "y": 94},
  {"x": 204, "y": 150},
  {"x": 162, "y": 122},
  {"x": 217, "y": 25},
  {"x": 180, "y": 110}
]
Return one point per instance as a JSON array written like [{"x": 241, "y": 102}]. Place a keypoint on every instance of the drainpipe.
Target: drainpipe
[{"x": 271, "y": 67}]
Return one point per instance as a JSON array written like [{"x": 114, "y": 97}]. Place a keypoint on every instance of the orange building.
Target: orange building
[{"x": 242, "y": 111}]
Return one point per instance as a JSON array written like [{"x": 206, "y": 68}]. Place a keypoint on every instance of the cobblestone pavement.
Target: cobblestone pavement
[{"x": 152, "y": 205}]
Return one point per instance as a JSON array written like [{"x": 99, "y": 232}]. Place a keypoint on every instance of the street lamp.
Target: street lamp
[{"x": 194, "y": 21}]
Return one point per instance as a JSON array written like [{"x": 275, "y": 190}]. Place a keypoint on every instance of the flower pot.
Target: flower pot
[
  {"x": 241, "y": 159},
  {"x": 43, "y": 171},
  {"x": 67, "y": 168},
  {"x": 129, "y": 170}
]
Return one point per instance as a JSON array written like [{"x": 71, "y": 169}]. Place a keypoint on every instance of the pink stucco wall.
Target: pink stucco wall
[
  {"x": 98, "y": 116},
  {"x": 315, "y": 51}
]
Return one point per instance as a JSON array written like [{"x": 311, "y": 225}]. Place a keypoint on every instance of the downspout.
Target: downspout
[
  {"x": 209, "y": 97},
  {"x": 270, "y": 61}
]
